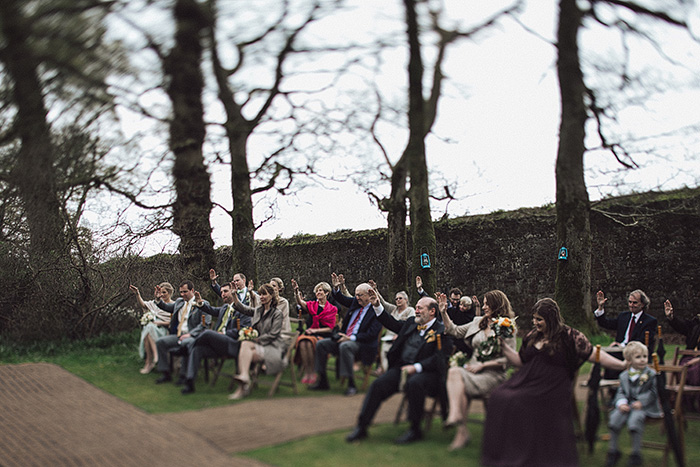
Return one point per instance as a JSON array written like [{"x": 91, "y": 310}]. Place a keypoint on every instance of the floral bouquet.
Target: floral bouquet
[
  {"x": 247, "y": 334},
  {"x": 488, "y": 349},
  {"x": 147, "y": 318},
  {"x": 503, "y": 327},
  {"x": 458, "y": 359}
]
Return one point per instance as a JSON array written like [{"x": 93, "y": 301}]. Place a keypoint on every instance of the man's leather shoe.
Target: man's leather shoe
[
  {"x": 409, "y": 437},
  {"x": 321, "y": 385},
  {"x": 180, "y": 381},
  {"x": 357, "y": 434},
  {"x": 612, "y": 458},
  {"x": 164, "y": 378},
  {"x": 189, "y": 387},
  {"x": 351, "y": 391}
]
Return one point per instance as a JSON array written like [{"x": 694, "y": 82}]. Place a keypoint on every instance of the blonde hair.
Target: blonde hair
[{"x": 633, "y": 348}]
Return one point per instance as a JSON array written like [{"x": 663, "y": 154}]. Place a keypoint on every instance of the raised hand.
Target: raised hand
[
  {"x": 600, "y": 299},
  {"x": 134, "y": 289},
  {"x": 212, "y": 275},
  {"x": 341, "y": 278},
  {"x": 442, "y": 301},
  {"x": 475, "y": 301},
  {"x": 373, "y": 297},
  {"x": 419, "y": 283},
  {"x": 251, "y": 286},
  {"x": 197, "y": 297},
  {"x": 295, "y": 286},
  {"x": 668, "y": 309},
  {"x": 335, "y": 280}
]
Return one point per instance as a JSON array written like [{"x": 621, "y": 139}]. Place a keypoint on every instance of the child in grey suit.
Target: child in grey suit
[{"x": 636, "y": 399}]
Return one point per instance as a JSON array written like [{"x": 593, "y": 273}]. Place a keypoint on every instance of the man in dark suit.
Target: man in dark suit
[
  {"x": 222, "y": 340},
  {"x": 357, "y": 339},
  {"x": 630, "y": 325},
  {"x": 185, "y": 325},
  {"x": 416, "y": 358}
]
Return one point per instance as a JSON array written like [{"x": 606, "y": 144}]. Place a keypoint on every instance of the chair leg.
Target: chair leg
[
  {"x": 217, "y": 370},
  {"x": 399, "y": 412}
]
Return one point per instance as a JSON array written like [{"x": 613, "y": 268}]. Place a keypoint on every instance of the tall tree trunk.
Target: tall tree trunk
[
  {"x": 192, "y": 185},
  {"x": 573, "y": 281},
  {"x": 238, "y": 130},
  {"x": 243, "y": 228},
  {"x": 34, "y": 172},
  {"x": 422, "y": 229},
  {"x": 395, "y": 206}
]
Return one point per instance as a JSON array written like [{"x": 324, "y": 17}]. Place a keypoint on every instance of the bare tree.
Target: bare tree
[
  {"x": 579, "y": 104},
  {"x": 187, "y": 131},
  {"x": 272, "y": 173}
]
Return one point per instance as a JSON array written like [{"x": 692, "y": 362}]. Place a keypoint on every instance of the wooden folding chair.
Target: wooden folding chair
[
  {"x": 288, "y": 357},
  {"x": 688, "y": 390},
  {"x": 673, "y": 373},
  {"x": 218, "y": 371},
  {"x": 176, "y": 352},
  {"x": 431, "y": 404}
]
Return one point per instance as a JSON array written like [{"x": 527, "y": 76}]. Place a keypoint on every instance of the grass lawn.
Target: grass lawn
[{"x": 112, "y": 364}]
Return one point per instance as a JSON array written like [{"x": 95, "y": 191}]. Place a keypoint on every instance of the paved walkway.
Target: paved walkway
[{"x": 49, "y": 416}]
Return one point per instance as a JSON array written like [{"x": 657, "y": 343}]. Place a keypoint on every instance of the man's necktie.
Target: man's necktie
[
  {"x": 422, "y": 327},
  {"x": 183, "y": 316},
  {"x": 353, "y": 324},
  {"x": 224, "y": 320},
  {"x": 632, "y": 324}
]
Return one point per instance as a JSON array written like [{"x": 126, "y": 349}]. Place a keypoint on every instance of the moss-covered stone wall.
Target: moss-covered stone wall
[{"x": 647, "y": 241}]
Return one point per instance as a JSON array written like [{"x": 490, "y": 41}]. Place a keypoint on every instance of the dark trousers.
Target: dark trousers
[
  {"x": 417, "y": 387},
  {"x": 210, "y": 344}
]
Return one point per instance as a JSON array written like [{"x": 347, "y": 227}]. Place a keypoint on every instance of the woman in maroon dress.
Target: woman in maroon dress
[{"x": 529, "y": 419}]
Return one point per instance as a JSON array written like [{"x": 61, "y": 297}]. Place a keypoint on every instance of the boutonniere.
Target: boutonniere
[
  {"x": 430, "y": 336},
  {"x": 643, "y": 378}
]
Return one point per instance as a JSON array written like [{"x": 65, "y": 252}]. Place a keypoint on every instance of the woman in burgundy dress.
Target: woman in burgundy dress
[{"x": 529, "y": 419}]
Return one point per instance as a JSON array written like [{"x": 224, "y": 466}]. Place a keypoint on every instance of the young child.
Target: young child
[{"x": 636, "y": 399}]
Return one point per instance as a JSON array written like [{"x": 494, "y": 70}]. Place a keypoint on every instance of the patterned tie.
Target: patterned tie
[
  {"x": 422, "y": 327},
  {"x": 354, "y": 323}
]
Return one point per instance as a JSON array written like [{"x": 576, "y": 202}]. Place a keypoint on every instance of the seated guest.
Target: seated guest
[
  {"x": 185, "y": 325},
  {"x": 414, "y": 358},
  {"x": 535, "y": 403},
  {"x": 323, "y": 316},
  {"x": 282, "y": 303},
  {"x": 487, "y": 367},
  {"x": 630, "y": 325},
  {"x": 155, "y": 324},
  {"x": 401, "y": 311},
  {"x": 464, "y": 314},
  {"x": 357, "y": 337},
  {"x": 268, "y": 347},
  {"x": 246, "y": 295},
  {"x": 636, "y": 399},
  {"x": 222, "y": 340},
  {"x": 691, "y": 330}
]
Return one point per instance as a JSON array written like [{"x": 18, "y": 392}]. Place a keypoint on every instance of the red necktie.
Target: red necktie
[
  {"x": 354, "y": 322},
  {"x": 632, "y": 323}
]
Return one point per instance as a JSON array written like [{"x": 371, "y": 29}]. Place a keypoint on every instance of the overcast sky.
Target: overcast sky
[{"x": 497, "y": 125}]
